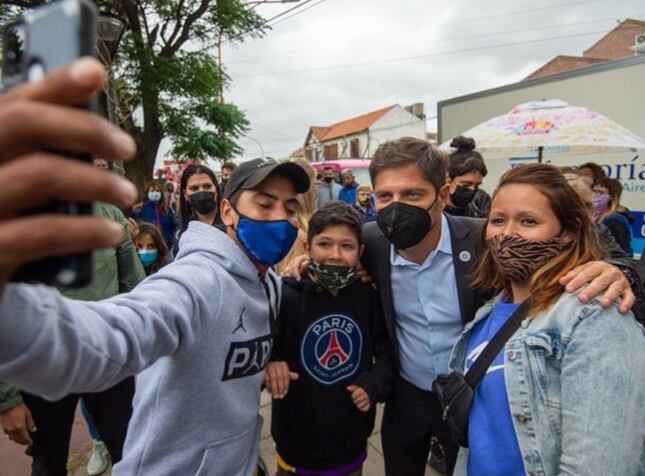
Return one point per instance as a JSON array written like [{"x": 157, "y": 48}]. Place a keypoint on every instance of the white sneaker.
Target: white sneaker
[{"x": 99, "y": 459}]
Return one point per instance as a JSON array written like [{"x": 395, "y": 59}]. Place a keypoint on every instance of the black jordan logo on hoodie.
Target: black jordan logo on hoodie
[{"x": 240, "y": 322}]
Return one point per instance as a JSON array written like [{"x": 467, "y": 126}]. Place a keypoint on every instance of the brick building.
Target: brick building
[{"x": 618, "y": 43}]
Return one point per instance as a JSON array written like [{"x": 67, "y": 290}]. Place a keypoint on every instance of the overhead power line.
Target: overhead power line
[
  {"x": 266, "y": 22},
  {"x": 297, "y": 13},
  {"x": 295, "y": 54},
  {"x": 423, "y": 56},
  {"x": 469, "y": 20}
]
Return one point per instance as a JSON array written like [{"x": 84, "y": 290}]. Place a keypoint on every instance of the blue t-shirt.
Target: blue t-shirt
[{"x": 494, "y": 450}]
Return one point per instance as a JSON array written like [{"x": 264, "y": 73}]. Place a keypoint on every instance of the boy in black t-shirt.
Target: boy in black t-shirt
[{"x": 332, "y": 359}]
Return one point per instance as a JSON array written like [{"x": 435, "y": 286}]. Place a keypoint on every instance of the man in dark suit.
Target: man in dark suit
[{"x": 421, "y": 260}]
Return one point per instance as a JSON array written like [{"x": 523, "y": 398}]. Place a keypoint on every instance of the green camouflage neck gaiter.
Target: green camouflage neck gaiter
[{"x": 330, "y": 277}]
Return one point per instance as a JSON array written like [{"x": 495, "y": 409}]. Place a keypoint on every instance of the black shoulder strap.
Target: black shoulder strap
[{"x": 479, "y": 368}]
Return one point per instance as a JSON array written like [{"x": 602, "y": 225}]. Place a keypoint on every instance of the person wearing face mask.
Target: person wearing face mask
[
  {"x": 328, "y": 189},
  {"x": 466, "y": 170},
  {"x": 200, "y": 326},
  {"x": 332, "y": 359},
  {"x": 365, "y": 203},
  {"x": 154, "y": 209},
  {"x": 546, "y": 403},
  {"x": 151, "y": 248},
  {"x": 421, "y": 260},
  {"x": 199, "y": 199},
  {"x": 609, "y": 212}
]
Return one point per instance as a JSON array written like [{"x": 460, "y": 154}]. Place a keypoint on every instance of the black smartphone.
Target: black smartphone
[{"x": 38, "y": 41}]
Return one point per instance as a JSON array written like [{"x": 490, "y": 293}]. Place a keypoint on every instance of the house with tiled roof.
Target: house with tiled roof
[
  {"x": 358, "y": 137},
  {"x": 621, "y": 42}
]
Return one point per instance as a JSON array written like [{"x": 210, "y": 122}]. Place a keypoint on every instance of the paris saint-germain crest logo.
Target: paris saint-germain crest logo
[{"x": 331, "y": 348}]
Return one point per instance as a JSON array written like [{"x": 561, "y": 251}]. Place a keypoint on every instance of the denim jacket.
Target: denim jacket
[{"x": 575, "y": 377}]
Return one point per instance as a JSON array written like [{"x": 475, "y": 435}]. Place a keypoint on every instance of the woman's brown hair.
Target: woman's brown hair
[
  {"x": 163, "y": 206},
  {"x": 306, "y": 208},
  {"x": 574, "y": 219}
]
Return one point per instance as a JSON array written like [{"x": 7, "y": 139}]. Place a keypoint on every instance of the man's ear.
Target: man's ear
[
  {"x": 227, "y": 213},
  {"x": 305, "y": 245},
  {"x": 444, "y": 193}
]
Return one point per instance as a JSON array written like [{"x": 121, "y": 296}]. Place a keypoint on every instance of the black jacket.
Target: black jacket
[
  {"x": 634, "y": 271},
  {"x": 331, "y": 342},
  {"x": 466, "y": 240},
  {"x": 618, "y": 225}
]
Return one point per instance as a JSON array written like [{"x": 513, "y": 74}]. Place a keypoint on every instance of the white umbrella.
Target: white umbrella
[{"x": 551, "y": 127}]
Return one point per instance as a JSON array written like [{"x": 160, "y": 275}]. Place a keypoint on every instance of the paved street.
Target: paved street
[
  {"x": 14, "y": 462},
  {"x": 373, "y": 466}
]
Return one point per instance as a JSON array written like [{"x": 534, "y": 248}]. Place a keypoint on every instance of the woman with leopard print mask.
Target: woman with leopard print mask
[{"x": 566, "y": 394}]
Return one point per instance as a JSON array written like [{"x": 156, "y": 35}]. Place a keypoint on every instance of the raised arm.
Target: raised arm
[{"x": 53, "y": 346}]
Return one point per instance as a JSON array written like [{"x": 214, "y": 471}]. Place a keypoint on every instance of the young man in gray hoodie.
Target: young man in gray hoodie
[{"x": 197, "y": 333}]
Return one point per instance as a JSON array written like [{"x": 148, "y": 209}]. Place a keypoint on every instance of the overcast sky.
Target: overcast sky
[{"x": 340, "y": 58}]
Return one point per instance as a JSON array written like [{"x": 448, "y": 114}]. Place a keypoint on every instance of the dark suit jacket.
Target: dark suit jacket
[
  {"x": 634, "y": 270},
  {"x": 466, "y": 239}
]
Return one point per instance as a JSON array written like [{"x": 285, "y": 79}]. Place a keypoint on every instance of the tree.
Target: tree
[{"x": 165, "y": 77}]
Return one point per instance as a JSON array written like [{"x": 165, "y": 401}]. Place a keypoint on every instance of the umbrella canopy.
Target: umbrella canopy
[{"x": 552, "y": 127}]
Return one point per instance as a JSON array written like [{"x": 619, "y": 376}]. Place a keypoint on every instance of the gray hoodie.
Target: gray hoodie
[{"x": 198, "y": 331}]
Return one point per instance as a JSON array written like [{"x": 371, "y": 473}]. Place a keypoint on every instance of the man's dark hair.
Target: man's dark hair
[
  {"x": 334, "y": 214},
  {"x": 409, "y": 150},
  {"x": 328, "y": 167},
  {"x": 465, "y": 159},
  {"x": 229, "y": 166}
]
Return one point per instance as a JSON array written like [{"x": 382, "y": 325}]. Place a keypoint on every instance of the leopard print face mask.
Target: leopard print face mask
[{"x": 518, "y": 258}]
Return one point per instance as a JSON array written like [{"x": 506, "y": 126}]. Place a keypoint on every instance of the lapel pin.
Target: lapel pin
[{"x": 465, "y": 256}]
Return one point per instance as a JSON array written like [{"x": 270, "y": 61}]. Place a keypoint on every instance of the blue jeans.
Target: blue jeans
[{"x": 91, "y": 426}]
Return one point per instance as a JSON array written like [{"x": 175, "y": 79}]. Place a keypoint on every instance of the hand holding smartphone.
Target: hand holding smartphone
[{"x": 37, "y": 42}]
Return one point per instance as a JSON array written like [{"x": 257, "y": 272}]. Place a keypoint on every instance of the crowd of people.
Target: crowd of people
[{"x": 334, "y": 296}]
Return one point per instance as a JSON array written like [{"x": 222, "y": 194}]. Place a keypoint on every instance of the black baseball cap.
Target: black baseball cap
[{"x": 252, "y": 173}]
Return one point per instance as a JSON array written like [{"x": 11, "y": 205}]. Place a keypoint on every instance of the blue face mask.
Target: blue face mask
[
  {"x": 266, "y": 242},
  {"x": 154, "y": 196},
  {"x": 148, "y": 257}
]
